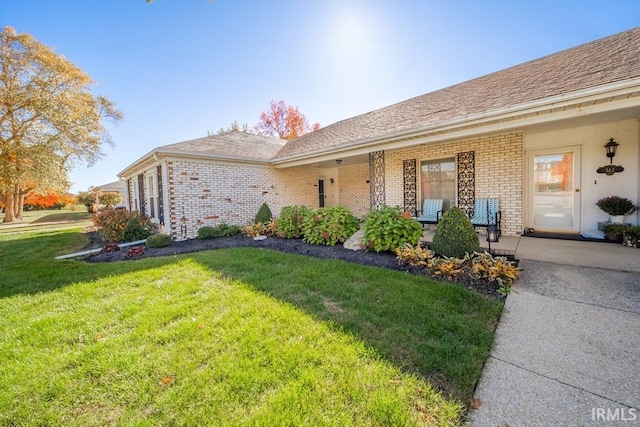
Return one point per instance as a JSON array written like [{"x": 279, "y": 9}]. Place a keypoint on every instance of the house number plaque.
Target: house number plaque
[{"x": 610, "y": 169}]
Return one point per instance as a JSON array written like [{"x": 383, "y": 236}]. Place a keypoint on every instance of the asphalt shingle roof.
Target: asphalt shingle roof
[
  {"x": 234, "y": 144},
  {"x": 608, "y": 60}
]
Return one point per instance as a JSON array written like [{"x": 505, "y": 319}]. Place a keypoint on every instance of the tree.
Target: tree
[
  {"x": 110, "y": 199},
  {"x": 284, "y": 121},
  {"x": 235, "y": 126},
  {"x": 88, "y": 199},
  {"x": 49, "y": 119}
]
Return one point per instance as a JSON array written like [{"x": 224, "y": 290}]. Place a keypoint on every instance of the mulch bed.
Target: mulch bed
[{"x": 293, "y": 246}]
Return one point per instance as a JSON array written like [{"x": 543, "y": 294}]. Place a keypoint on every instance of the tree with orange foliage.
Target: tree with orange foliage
[
  {"x": 48, "y": 200},
  {"x": 284, "y": 121},
  {"x": 49, "y": 119}
]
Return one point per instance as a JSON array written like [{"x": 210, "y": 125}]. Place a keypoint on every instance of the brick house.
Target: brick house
[{"x": 532, "y": 135}]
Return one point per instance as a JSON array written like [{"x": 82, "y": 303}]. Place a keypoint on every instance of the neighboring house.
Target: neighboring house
[
  {"x": 115, "y": 187},
  {"x": 532, "y": 136}
]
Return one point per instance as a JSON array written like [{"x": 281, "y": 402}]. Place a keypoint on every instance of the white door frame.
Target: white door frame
[{"x": 576, "y": 190}]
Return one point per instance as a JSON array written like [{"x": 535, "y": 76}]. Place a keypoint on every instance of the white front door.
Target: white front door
[{"x": 554, "y": 189}]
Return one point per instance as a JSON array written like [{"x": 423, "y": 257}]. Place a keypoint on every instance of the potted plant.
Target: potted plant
[
  {"x": 614, "y": 232},
  {"x": 617, "y": 207}
]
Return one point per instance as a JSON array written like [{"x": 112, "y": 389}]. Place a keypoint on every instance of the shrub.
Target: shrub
[
  {"x": 329, "y": 225},
  {"x": 263, "y": 215},
  {"x": 632, "y": 237},
  {"x": 110, "y": 247},
  {"x": 226, "y": 230},
  {"x": 415, "y": 256},
  {"x": 135, "y": 251},
  {"x": 498, "y": 269},
  {"x": 289, "y": 223},
  {"x": 111, "y": 223},
  {"x": 221, "y": 230},
  {"x": 387, "y": 229},
  {"x": 158, "y": 241},
  {"x": 447, "y": 268},
  {"x": 136, "y": 230},
  {"x": 206, "y": 232},
  {"x": 455, "y": 235},
  {"x": 259, "y": 229}
]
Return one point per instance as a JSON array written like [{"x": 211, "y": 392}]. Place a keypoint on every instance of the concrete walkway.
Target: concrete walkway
[{"x": 567, "y": 348}]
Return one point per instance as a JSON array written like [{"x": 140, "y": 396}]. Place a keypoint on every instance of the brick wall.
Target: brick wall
[
  {"x": 213, "y": 192},
  {"x": 498, "y": 172},
  {"x": 354, "y": 189}
]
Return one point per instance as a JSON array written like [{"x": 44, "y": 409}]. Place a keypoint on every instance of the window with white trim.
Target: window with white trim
[{"x": 152, "y": 195}]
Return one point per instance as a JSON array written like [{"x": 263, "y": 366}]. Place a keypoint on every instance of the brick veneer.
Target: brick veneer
[
  {"x": 210, "y": 192},
  {"x": 498, "y": 170},
  {"x": 354, "y": 189}
]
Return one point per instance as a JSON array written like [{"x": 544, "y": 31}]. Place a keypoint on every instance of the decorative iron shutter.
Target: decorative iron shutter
[
  {"x": 409, "y": 174},
  {"x": 376, "y": 178},
  {"x": 466, "y": 181}
]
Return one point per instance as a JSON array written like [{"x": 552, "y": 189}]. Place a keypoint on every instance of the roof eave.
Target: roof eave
[
  {"x": 481, "y": 123},
  {"x": 159, "y": 154}
]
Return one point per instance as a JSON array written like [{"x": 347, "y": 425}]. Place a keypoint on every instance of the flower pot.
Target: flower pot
[{"x": 617, "y": 219}]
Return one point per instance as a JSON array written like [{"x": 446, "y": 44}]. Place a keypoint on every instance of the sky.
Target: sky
[{"x": 179, "y": 69}]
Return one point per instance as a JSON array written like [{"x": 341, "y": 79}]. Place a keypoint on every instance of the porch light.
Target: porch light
[
  {"x": 611, "y": 148},
  {"x": 338, "y": 161},
  {"x": 183, "y": 227}
]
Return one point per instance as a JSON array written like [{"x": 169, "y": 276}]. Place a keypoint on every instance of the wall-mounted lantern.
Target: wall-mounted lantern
[
  {"x": 611, "y": 147},
  {"x": 338, "y": 161},
  {"x": 183, "y": 227},
  {"x": 331, "y": 181}
]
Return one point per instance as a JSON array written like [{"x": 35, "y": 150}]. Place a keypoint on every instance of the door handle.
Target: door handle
[{"x": 577, "y": 190}]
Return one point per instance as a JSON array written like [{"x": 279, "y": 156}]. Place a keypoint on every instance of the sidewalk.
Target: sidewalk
[{"x": 566, "y": 350}]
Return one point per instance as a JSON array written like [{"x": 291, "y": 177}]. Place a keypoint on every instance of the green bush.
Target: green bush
[
  {"x": 158, "y": 240},
  {"x": 221, "y": 230},
  {"x": 263, "y": 215},
  {"x": 329, "y": 225},
  {"x": 289, "y": 223},
  {"x": 388, "y": 228},
  {"x": 111, "y": 223},
  {"x": 136, "y": 230},
  {"x": 455, "y": 235},
  {"x": 206, "y": 232},
  {"x": 226, "y": 230}
]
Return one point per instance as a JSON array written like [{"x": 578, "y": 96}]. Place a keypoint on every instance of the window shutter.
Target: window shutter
[
  {"x": 160, "y": 196},
  {"x": 141, "y": 197}
]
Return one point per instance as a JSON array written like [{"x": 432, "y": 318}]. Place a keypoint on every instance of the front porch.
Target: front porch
[{"x": 612, "y": 256}]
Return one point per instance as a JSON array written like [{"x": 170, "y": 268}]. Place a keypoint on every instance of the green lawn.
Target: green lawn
[
  {"x": 39, "y": 220},
  {"x": 231, "y": 337}
]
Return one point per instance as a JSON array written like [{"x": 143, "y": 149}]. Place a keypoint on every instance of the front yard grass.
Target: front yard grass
[{"x": 231, "y": 337}]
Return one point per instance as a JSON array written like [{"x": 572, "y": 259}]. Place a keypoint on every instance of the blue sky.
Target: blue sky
[{"x": 178, "y": 69}]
